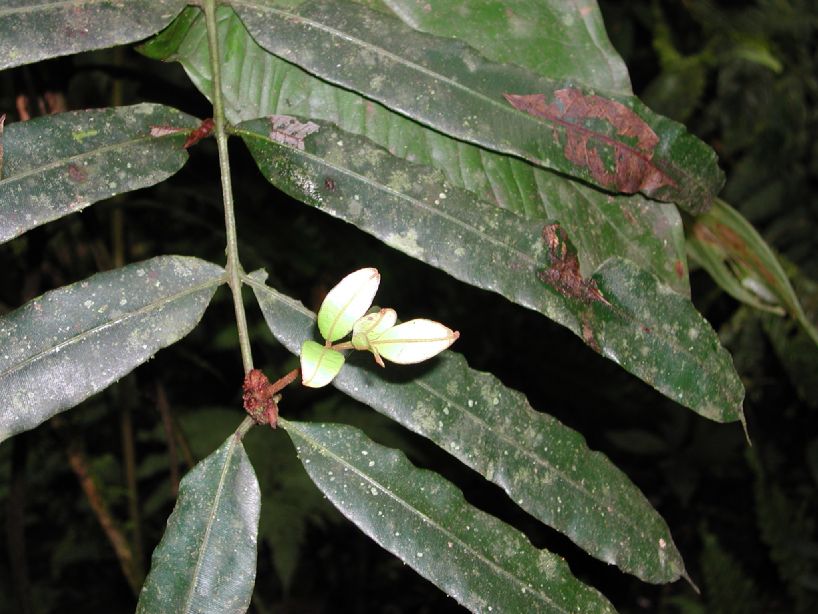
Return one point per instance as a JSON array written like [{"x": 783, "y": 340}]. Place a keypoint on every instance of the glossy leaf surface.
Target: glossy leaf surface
[
  {"x": 609, "y": 140},
  {"x": 545, "y": 467},
  {"x": 532, "y": 264},
  {"x": 484, "y": 564},
  {"x": 64, "y": 346},
  {"x": 319, "y": 364},
  {"x": 346, "y": 302},
  {"x": 646, "y": 232},
  {"x": 35, "y": 30},
  {"x": 552, "y": 38},
  {"x": 206, "y": 561},
  {"x": 60, "y": 164}
]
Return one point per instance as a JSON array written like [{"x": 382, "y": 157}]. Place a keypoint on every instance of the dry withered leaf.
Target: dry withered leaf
[
  {"x": 570, "y": 109},
  {"x": 563, "y": 272}
]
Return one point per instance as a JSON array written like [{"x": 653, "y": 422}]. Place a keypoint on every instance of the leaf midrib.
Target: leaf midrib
[
  {"x": 85, "y": 154},
  {"x": 234, "y": 440},
  {"x": 88, "y": 333},
  {"x": 415, "y": 202}
]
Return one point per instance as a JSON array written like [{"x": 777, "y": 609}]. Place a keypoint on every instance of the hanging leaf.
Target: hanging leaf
[
  {"x": 206, "y": 561},
  {"x": 533, "y": 264},
  {"x": 486, "y": 565},
  {"x": 60, "y": 164},
  {"x": 610, "y": 140},
  {"x": 601, "y": 225},
  {"x": 545, "y": 467},
  {"x": 72, "y": 342},
  {"x": 347, "y": 302},
  {"x": 35, "y": 30},
  {"x": 319, "y": 364}
]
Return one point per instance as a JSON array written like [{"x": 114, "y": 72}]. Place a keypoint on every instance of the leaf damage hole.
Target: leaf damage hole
[
  {"x": 563, "y": 272},
  {"x": 632, "y": 166},
  {"x": 287, "y": 130}
]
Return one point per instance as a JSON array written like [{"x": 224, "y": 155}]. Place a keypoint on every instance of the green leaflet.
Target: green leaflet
[
  {"x": 59, "y": 164},
  {"x": 545, "y": 467},
  {"x": 206, "y": 561},
  {"x": 552, "y": 38},
  {"x": 609, "y": 140},
  {"x": 484, "y": 564},
  {"x": 346, "y": 303},
  {"x": 601, "y": 225},
  {"x": 35, "y": 30},
  {"x": 408, "y": 207},
  {"x": 64, "y": 346}
]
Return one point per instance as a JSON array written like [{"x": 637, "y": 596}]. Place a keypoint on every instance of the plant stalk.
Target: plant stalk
[{"x": 234, "y": 270}]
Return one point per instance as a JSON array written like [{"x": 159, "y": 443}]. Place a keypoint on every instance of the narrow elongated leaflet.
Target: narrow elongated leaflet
[
  {"x": 59, "y": 164},
  {"x": 610, "y": 140},
  {"x": 64, "y": 346},
  {"x": 206, "y": 561},
  {"x": 346, "y": 302},
  {"x": 545, "y": 467},
  {"x": 533, "y": 264},
  {"x": 486, "y": 565},
  {"x": 35, "y": 30},
  {"x": 601, "y": 225}
]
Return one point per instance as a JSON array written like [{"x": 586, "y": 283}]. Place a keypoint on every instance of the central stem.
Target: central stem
[{"x": 234, "y": 270}]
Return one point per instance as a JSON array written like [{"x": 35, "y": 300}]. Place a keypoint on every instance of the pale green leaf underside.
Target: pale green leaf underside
[
  {"x": 545, "y": 467},
  {"x": 346, "y": 302},
  {"x": 60, "y": 164},
  {"x": 319, "y": 364},
  {"x": 484, "y": 564},
  {"x": 206, "y": 561},
  {"x": 447, "y": 85},
  {"x": 408, "y": 207},
  {"x": 35, "y": 30},
  {"x": 64, "y": 346},
  {"x": 258, "y": 84}
]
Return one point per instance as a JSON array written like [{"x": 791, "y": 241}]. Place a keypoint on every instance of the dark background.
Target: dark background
[{"x": 742, "y": 77}]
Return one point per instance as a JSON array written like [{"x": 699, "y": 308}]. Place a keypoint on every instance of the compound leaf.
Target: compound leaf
[
  {"x": 545, "y": 467},
  {"x": 533, "y": 264},
  {"x": 601, "y": 225}
]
